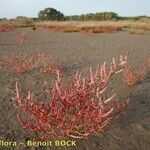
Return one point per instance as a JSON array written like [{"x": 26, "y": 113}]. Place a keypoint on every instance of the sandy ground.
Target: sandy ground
[{"x": 77, "y": 51}]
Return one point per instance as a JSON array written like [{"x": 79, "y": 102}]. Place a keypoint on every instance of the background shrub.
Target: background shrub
[{"x": 50, "y": 14}]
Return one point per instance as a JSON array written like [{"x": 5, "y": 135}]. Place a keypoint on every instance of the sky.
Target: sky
[{"x": 30, "y": 8}]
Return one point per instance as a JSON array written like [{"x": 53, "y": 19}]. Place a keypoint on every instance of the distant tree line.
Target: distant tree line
[
  {"x": 52, "y": 14},
  {"x": 134, "y": 18},
  {"x": 100, "y": 16},
  {"x": 55, "y": 15}
]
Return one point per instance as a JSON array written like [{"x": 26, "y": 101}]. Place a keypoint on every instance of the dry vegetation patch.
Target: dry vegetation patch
[
  {"x": 134, "y": 76},
  {"x": 135, "y": 27},
  {"x": 21, "y": 63},
  {"x": 87, "y": 29},
  {"x": 4, "y": 28}
]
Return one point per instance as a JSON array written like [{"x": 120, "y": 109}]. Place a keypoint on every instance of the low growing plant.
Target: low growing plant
[
  {"x": 20, "y": 38},
  {"x": 4, "y": 28},
  {"x": 78, "y": 110},
  {"x": 130, "y": 77},
  {"x": 19, "y": 63},
  {"x": 100, "y": 29},
  {"x": 22, "y": 63},
  {"x": 136, "y": 31},
  {"x": 49, "y": 65},
  {"x": 87, "y": 29},
  {"x": 53, "y": 67},
  {"x": 134, "y": 76}
]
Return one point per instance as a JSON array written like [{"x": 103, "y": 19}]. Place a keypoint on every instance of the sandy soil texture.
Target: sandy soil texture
[{"x": 79, "y": 51}]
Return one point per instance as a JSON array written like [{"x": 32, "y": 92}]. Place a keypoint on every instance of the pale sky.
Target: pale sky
[{"x": 30, "y": 8}]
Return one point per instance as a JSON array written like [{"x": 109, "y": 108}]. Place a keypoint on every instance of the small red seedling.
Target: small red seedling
[{"x": 22, "y": 37}]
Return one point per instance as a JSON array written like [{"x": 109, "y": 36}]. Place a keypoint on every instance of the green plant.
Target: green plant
[{"x": 50, "y": 14}]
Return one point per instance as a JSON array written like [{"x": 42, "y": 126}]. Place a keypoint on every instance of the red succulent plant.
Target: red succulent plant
[
  {"x": 78, "y": 110},
  {"x": 20, "y": 38},
  {"x": 4, "y": 28}
]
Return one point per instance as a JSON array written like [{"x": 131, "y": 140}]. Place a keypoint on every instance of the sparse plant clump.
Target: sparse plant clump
[
  {"x": 132, "y": 76},
  {"x": 19, "y": 63},
  {"x": 136, "y": 31},
  {"x": 53, "y": 67},
  {"x": 49, "y": 65},
  {"x": 86, "y": 29},
  {"x": 62, "y": 28},
  {"x": 20, "y": 38},
  {"x": 73, "y": 28},
  {"x": 22, "y": 21},
  {"x": 78, "y": 110},
  {"x": 4, "y": 28},
  {"x": 101, "y": 29},
  {"x": 140, "y": 28},
  {"x": 129, "y": 76}
]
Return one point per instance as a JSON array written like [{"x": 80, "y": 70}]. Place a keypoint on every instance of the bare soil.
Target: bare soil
[{"x": 79, "y": 51}]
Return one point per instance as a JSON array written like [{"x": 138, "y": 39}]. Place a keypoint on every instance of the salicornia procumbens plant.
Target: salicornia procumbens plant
[{"x": 77, "y": 110}]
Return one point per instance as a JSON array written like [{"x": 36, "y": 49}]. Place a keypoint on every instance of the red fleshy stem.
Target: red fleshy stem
[{"x": 78, "y": 110}]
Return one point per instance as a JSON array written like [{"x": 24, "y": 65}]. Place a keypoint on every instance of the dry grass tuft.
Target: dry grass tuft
[
  {"x": 136, "y": 31},
  {"x": 132, "y": 76},
  {"x": 75, "y": 28},
  {"x": 129, "y": 76}
]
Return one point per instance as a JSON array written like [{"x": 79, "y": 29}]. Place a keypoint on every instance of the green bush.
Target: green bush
[
  {"x": 100, "y": 16},
  {"x": 50, "y": 14}
]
